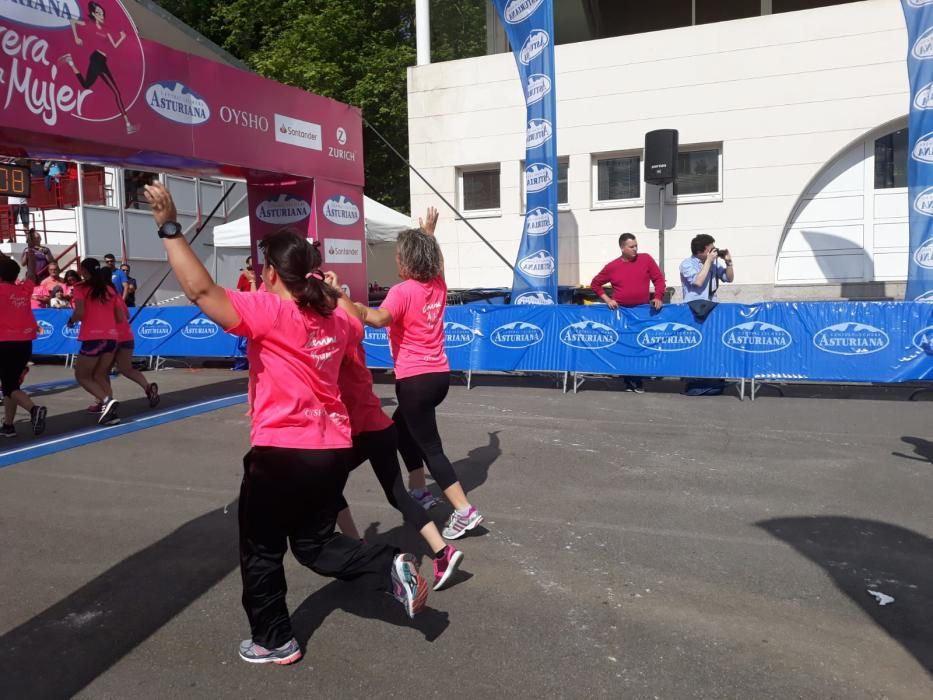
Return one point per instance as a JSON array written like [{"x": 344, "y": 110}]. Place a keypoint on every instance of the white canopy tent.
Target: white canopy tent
[{"x": 231, "y": 243}]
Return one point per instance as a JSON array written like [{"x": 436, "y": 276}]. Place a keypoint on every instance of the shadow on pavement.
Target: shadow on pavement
[
  {"x": 923, "y": 449},
  {"x": 861, "y": 555},
  {"x": 64, "y": 648}
]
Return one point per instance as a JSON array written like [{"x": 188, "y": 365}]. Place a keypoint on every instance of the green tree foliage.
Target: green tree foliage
[{"x": 355, "y": 51}]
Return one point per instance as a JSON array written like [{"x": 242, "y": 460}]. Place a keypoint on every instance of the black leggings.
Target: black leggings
[
  {"x": 14, "y": 356},
  {"x": 380, "y": 448},
  {"x": 418, "y": 439},
  {"x": 292, "y": 497},
  {"x": 97, "y": 68},
  {"x": 20, "y": 211}
]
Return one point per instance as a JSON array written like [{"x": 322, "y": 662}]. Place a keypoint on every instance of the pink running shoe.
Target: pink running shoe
[
  {"x": 408, "y": 586},
  {"x": 446, "y": 566}
]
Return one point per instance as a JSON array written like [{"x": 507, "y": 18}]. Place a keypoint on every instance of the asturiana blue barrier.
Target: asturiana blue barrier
[{"x": 817, "y": 341}]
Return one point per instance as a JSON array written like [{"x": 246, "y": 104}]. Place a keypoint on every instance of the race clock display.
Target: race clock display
[{"x": 14, "y": 181}]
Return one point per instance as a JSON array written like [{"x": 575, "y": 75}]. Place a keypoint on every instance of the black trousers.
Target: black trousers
[
  {"x": 14, "y": 356},
  {"x": 291, "y": 497},
  {"x": 380, "y": 447},
  {"x": 21, "y": 212},
  {"x": 418, "y": 438}
]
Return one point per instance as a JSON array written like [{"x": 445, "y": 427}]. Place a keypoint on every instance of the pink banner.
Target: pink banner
[
  {"x": 76, "y": 80},
  {"x": 273, "y": 207},
  {"x": 339, "y": 226}
]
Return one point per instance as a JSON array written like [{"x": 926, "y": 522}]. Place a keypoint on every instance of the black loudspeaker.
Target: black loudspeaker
[{"x": 661, "y": 156}]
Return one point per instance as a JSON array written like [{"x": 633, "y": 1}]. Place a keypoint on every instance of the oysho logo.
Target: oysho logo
[
  {"x": 519, "y": 10},
  {"x": 456, "y": 335},
  {"x": 200, "y": 328},
  {"x": 923, "y": 46},
  {"x": 923, "y": 340},
  {"x": 923, "y": 204},
  {"x": 377, "y": 337},
  {"x": 538, "y": 176},
  {"x": 539, "y": 221},
  {"x": 341, "y": 211},
  {"x": 298, "y": 132},
  {"x": 177, "y": 103},
  {"x": 588, "y": 335},
  {"x": 155, "y": 328},
  {"x": 537, "y": 88},
  {"x": 247, "y": 120},
  {"x": 756, "y": 336},
  {"x": 922, "y": 100},
  {"x": 540, "y": 264},
  {"x": 539, "y": 133},
  {"x": 45, "y": 330},
  {"x": 517, "y": 335},
  {"x": 284, "y": 209},
  {"x": 534, "y": 46},
  {"x": 669, "y": 337},
  {"x": 851, "y": 339},
  {"x": 923, "y": 256},
  {"x": 48, "y": 14},
  {"x": 923, "y": 149},
  {"x": 534, "y": 299}
]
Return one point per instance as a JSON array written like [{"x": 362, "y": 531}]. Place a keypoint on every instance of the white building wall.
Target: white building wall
[{"x": 784, "y": 95}]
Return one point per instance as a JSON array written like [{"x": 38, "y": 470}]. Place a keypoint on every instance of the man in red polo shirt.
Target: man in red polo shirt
[{"x": 629, "y": 275}]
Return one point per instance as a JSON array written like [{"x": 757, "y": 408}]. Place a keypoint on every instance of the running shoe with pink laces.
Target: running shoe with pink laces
[
  {"x": 460, "y": 523},
  {"x": 408, "y": 586},
  {"x": 446, "y": 566}
]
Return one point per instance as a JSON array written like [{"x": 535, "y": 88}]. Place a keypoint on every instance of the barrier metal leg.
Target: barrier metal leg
[
  {"x": 565, "y": 381},
  {"x": 742, "y": 389},
  {"x": 469, "y": 379}
]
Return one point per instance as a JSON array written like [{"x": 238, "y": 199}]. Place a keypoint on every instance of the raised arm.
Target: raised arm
[
  {"x": 195, "y": 280},
  {"x": 118, "y": 41},
  {"x": 428, "y": 224}
]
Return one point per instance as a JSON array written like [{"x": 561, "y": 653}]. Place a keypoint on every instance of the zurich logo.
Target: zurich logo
[
  {"x": 517, "y": 335},
  {"x": 851, "y": 339},
  {"x": 178, "y": 103},
  {"x": 923, "y": 340},
  {"x": 539, "y": 133},
  {"x": 669, "y": 337},
  {"x": 756, "y": 336},
  {"x": 456, "y": 335},
  {"x": 377, "y": 337},
  {"x": 923, "y": 256},
  {"x": 923, "y": 149},
  {"x": 284, "y": 209},
  {"x": 924, "y": 97},
  {"x": 534, "y": 46},
  {"x": 154, "y": 329},
  {"x": 534, "y": 299},
  {"x": 537, "y": 88},
  {"x": 923, "y": 47},
  {"x": 45, "y": 330},
  {"x": 71, "y": 333},
  {"x": 46, "y": 15},
  {"x": 538, "y": 176},
  {"x": 539, "y": 222},
  {"x": 341, "y": 211},
  {"x": 925, "y": 298},
  {"x": 200, "y": 328},
  {"x": 519, "y": 10},
  {"x": 540, "y": 264},
  {"x": 923, "y": 204},
  {"x": 588, "y": 335}
]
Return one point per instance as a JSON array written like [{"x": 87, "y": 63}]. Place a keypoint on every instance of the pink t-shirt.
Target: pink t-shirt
[
  {"x": 356, "y": 386},
  {"x": 99, "y": 321},
  {"x": 124, "y": 332},
  {"x": 294, "y": 364},
  {"x": 16, "y": 319},
  {"x": 416, "y": 334}
]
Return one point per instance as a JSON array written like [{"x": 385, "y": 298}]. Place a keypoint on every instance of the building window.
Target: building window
[
  {"x": 563, "y": 167},
  {"x": 891, "y": 160},
  {"x": 698, "y": 173},
  {"x": 479, "y": 189},
  {"x": 618, "y": 179},
  {"x": 134, "y": 187}
]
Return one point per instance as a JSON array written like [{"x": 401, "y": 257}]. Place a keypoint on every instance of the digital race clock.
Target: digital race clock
[{"x": 14, "y": 181}]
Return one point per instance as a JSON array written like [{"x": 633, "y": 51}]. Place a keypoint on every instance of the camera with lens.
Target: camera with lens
[{"x": 721, "y": 252}]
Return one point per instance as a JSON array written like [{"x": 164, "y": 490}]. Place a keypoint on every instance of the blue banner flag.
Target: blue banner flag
[
  {"x": 919, "y": 17},
  {"x": 529, "y": 25}
]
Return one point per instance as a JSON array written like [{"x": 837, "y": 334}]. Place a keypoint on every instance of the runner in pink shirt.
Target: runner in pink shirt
[
  {"x": 123, "y": 359},
  {"x": 17, "y": 331},
  {"x": 414, "y": 313},
  {"x": 96, "y": 309},
  {"x": 375, "y": 439},
  {"x": 298, "y": 462}
]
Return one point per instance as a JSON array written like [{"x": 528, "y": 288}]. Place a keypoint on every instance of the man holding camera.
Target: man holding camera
[{"x": 698, "y": 272}]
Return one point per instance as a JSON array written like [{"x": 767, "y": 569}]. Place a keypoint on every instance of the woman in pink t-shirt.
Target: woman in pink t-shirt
[
  {"x": 17, "y": 331},
  {"x": 96, "y": 309},
  {"x": 298, "y": 463},
  {"x": 123, "y": 359},
  {"x": 375, "y": 439},
  {"x": 414, "y": 313}
]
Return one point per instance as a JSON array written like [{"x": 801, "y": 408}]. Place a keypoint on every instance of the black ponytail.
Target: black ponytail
[
  {"x": 99, "y": 279},
  {"x": 297, "y": 262}
]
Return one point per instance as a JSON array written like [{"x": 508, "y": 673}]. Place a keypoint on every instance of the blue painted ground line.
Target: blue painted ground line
[{"x": 98, "y": 434}]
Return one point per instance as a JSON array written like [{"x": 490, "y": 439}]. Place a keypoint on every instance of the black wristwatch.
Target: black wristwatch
[{"x": 170, "y": 229}]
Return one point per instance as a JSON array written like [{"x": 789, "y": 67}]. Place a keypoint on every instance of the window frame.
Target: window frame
[
  {"x": 478, "y": 213},
  {"x": 627, "y": 203},
  {"x": 703, "y": 196}
]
